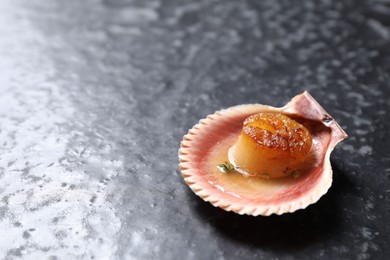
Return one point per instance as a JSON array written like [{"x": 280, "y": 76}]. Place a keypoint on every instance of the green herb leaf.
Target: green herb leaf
[
  {"x": 226, "y": 167},
  {"x": 296, "y": 174}
]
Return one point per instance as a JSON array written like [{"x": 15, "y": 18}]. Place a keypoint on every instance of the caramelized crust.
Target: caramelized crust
[{"x": 278, "y": 132}]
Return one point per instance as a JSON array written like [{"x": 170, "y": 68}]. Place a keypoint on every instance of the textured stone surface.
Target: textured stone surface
[{"x": 97, "y": 94}]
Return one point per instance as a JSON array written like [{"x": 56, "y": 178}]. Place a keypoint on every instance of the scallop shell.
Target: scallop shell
[{"x": 207, "y": 143}]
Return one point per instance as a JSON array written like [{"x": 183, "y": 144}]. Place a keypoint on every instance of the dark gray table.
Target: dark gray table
[{"x": 97, "y": 94}]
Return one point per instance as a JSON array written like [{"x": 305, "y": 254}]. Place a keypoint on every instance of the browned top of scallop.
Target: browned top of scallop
[{"x": 278, "y": 132}]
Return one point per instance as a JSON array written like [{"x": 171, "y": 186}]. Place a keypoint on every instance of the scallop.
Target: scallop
[{"x": 260, "y": 160}]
